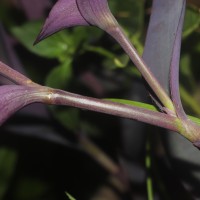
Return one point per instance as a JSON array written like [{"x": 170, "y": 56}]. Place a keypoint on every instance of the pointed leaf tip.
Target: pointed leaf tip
[
  {"x": 38, "y": 39},
  {"x": 64, "y": 14},
  {"x": 69, "y": 13}
]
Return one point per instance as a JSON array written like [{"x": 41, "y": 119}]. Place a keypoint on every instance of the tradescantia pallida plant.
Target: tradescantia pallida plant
[{"x": 164, "y": 89}]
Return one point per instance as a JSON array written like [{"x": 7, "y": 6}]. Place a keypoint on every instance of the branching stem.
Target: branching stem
[
  {"x": 59, "y": 97},
  {"x": 117, "y": 33}
]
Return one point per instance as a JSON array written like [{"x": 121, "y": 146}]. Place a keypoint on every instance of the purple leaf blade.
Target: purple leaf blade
[
  {"x": 69, "y": 13},
  {"x": 64, "y": 14},
  {"x": 15, "y": 97},
  {"x": 174, "y": 68},
  {"x": 161, "y": 37}
]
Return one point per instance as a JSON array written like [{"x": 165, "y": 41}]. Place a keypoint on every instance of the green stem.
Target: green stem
[{"x": 148, "y": 167}]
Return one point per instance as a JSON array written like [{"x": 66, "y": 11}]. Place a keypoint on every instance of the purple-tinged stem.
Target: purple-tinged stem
[
  {"x": 15, "y": 76},
  {"x": 119, "y": 35},
  {"x": 59, "y": 97},
  {"x": 174, "y": 69}
]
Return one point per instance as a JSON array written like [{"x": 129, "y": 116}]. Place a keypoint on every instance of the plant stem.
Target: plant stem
[
  {"x": 59, "y": 97},
  {"x": 148, "y": 161},
  {"x": 15, "y": 76},
  {"x": 117, "y": 33}
]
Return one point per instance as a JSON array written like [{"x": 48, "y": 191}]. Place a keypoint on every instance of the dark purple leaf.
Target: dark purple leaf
[
  {"x": 8, "y": 55},
  {"x": 68, "y": 13},
  {"x": 96, "y": 12},
  {"x": 161, "y": 36},
  {"x": 14, "y": 97},
  {"x": 174, "y": 68},
  {"x": 64, "y": 14}
]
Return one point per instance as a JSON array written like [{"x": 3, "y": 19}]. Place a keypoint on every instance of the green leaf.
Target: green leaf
[
  {"x": 100, "y": 51},
  {"x": 131, "y": 17},
  {"x": 7, "y": 166},
  {"x": 134, "y": 103},
  {"x": 60, "y": 76},
  {"x": 81, "y": 34},
  {"x": 195, "y": 119},
  {"x": 118, "y": 61},
  {"x": 136, "y": 40},
  {"x": 192, "y": 22},
  {"x": 121, "y": 61},
  {"x": 147, "y": 106},
  {"x": 186, "y": 70},
  {"x": 70, "y": 196},
  {"x": 53, "y": 47}
]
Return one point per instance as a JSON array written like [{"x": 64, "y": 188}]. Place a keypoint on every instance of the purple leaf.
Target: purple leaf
[
  {"x": 68, "y": 13},
  {"x": 174, "y": 67},
  {"x": 14, "y": 97},
  {"x": 8, "y": 55},
  {"x": 96, "y": 12},
  {"x": 161, "y": 36},
  {"x": 64, "y": 14}
]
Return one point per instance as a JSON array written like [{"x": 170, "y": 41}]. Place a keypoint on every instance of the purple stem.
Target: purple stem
[
  {"x": 59, "y": 97},
  {"x": 120, "y": 37},
  {"x": 15, "y": 76}
]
